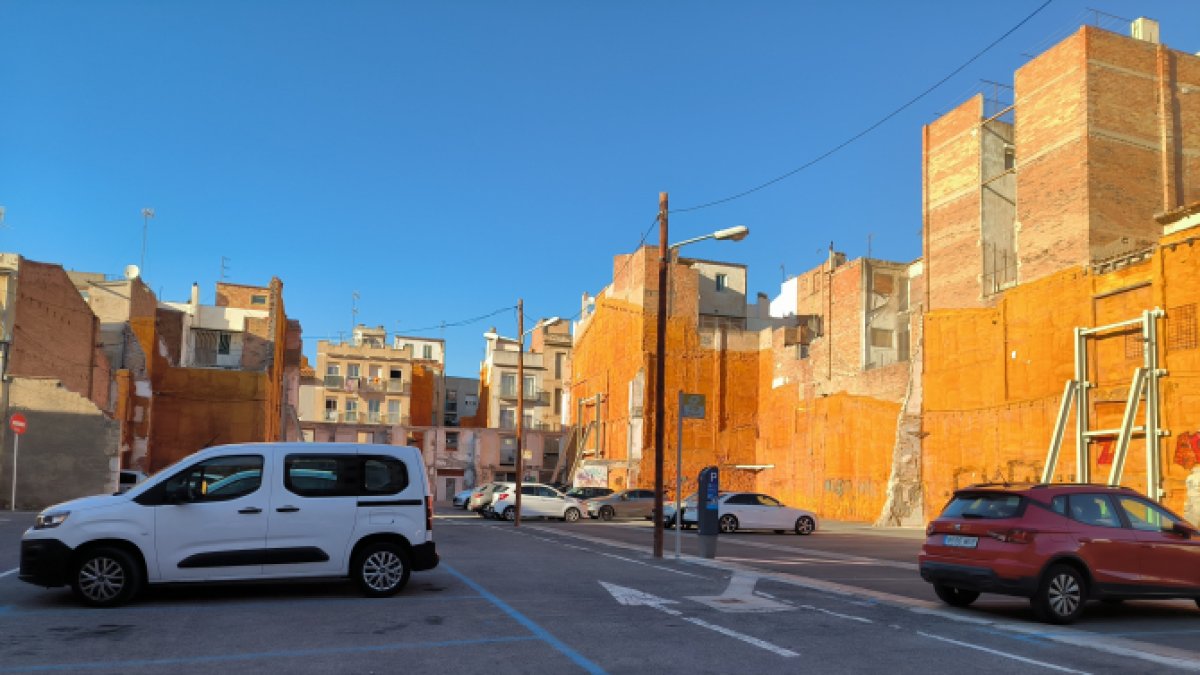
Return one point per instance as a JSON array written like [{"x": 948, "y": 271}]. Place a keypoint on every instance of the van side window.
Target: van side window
[
  {"x": 343, "y": 475},
  {"x": 1059, "y": 505},
  {"x": 220, "y": 478},
  {"x": 383, "y": 476}
]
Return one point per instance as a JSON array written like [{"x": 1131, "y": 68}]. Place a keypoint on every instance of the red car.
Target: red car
[{"x": 1059, "y": 545}]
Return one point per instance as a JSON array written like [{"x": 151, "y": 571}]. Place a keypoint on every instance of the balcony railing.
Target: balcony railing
[
  {"x": 331, "y": 415},
  {"x": 351, "y": 384},
  {"x": 374, "y": 418},
  {"x": 537, "y": 397},
  {"x": 351, "y": 416},
  {"x": 507, "y": 392},
  {"x": 508, "y": 457},
  {"x": 333, "y": 381},
  {"x": 397, "y": 387},
  {"x": 372, "y": 384}
]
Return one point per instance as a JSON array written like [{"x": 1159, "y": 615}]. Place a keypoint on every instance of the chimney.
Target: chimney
[
  {"x": 195, "y": 295},
  {"x": 1144, "y": 29}
]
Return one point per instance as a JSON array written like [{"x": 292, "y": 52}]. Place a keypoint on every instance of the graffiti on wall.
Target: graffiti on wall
[
  {"x": 1187, "y": 455},
  {"x": 1187, "y": 450}
]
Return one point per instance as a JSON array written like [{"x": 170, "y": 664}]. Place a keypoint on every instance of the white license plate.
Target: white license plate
[{"x": 960, "y": 541}]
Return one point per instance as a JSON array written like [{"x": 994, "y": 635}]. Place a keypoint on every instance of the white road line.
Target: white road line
[
  {"x": 762, "y": 644},
  {"x": 837, "y": 614},
  {"x": 12, "y": 571},
  {"x": 657, "y": 567},
  {"x": 1006, "y": 655}
]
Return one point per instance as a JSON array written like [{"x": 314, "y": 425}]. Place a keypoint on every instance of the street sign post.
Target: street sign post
[
  {"x": 18, "y": 425},
  {"x": 691, "y": 406}
]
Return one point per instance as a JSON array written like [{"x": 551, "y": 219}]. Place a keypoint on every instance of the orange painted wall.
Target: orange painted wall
[
  {"x": 421, "y": 404},
  {"x": 994, "y": 377}
]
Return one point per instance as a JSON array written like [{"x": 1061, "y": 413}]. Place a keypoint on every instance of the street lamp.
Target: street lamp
[
  {"x": 665, "y": 252},
  {"x": 147, "y": 214},
  {"x": 521, "y": 332}
]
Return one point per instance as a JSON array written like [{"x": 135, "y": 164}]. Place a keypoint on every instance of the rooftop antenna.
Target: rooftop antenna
[
  {"x": 147, "y": 214},
  {"x": 224, "y": 268},
  {"x": 869, "y": 235},
  {"x": 353, "y": 310},
  {"x": 2, "y": 216}
]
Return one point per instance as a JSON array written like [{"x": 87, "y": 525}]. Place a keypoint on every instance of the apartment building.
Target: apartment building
[{"x": 364, "y": 381}]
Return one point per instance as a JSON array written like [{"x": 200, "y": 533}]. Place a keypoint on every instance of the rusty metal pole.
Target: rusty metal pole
[
  {"x": 660, "y": 385},
  {"x": 520, "y": 404}
]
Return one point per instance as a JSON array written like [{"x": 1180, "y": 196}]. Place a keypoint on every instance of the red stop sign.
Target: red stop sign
[{"x": 17, "y": 423}]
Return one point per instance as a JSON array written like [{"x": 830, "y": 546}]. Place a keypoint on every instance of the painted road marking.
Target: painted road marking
[
  {"x": 577, "y": 658},
  {"x": 632, "y": 597},
  {"x": 646, "y": 564},
  {"x": 1143, "y": 651},
  {"x": 1006, "y": 655},
  {"x": 739, "y": 597},
  {"x": 12, "y": 571},
  {"x": 255, "y": 656},
  {"x": 223, "y": 606},
  {"x": 837, "y": 614}
]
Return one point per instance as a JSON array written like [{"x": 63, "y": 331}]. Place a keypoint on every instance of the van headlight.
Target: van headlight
[{"x": 50, "y": 519}]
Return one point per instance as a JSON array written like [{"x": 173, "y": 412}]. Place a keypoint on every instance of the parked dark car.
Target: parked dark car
[{"x": 589, "y": 492}]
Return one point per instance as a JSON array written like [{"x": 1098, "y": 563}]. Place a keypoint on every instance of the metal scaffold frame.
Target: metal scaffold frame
[{"x": 1145, "y": 385}]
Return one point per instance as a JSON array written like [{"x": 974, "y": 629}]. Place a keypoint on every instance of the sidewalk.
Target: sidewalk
[{"x": 852, "y": 527}]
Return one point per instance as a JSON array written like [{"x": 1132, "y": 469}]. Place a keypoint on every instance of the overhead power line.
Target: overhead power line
[{"x": 876, "y": 125}]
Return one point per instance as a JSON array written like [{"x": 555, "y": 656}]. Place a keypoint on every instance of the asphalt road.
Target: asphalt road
[{"x": 553, "y": 597}]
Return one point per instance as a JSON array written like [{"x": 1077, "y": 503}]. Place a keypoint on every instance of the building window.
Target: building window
[
  {"x": 508, "y": 418},
  {"x": 331, "y": 410},
  {"x": 1010, "y": 157},
  {"x": 508, "y": 384},
  {"x": 881, "y": 337},
  {"x": 223, "y": 342},
  {"x": 530, "y": 386},
  {"x": 258, "y": 299},
  {"x": 333, "y": 369},
  {"x": 558, "y": 365},
  {"x": 351, "y": 410},
  {"x": 352, "y": 370},
  {"x": 427, "y": 352},
  {"x": 722, "y": 282},
  {"x": 451, "y": 440},
  {"x": 558, "y": 401}
]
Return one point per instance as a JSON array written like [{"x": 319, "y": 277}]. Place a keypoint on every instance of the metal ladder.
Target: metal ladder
[{"x": 1144, "y": 386}]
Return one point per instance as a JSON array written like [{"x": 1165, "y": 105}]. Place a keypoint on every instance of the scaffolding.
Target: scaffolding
[{"x": 1145, "y": 386}]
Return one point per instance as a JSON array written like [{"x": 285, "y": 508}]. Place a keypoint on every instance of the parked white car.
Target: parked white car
[
  {"x": 753, "y": 511},
  {"x": 537, "y": 501},
  {"x": 244, "y": 512}
]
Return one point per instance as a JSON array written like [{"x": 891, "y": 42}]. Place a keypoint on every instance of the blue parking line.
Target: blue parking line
[
  {"x": 577, "y": 658},
  {"x": 254, "y": 656}
]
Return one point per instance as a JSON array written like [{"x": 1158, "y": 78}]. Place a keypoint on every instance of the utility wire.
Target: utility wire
[{"x": 874, "y": 126}]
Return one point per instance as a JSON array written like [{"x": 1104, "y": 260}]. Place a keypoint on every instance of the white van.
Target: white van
[{"x": 244, "y": 512}]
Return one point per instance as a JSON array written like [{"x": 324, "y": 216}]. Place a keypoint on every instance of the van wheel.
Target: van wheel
[
  {"x": 955, "y": 597},
  {"x": 1061, "y": 595},
  {"x": 728, "y": 523},
  {"x": 571, "y": 515},
  {"x": 106, "y": 577},
  {"x": 607, "y": 513},
  {"x": 381, "y": 569}
]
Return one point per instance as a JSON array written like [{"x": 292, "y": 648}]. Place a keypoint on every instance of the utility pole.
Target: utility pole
[
  {"x": 520, "y": 404},
  {"x": 147, "y": 214},
  {"x": 660, "y": 369}
]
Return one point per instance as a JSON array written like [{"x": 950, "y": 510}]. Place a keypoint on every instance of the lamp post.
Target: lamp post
[
  {"x": 521, "y": 333},
  {"x": 660, "y": 386}
]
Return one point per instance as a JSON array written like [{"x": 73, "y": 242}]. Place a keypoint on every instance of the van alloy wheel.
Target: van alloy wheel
[
  {"x": 382, "y": 569},
  {"x": 106, "y": 577}
]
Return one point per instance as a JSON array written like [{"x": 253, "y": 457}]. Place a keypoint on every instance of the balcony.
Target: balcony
[
  {"x": 397, "y": 387},
  {"x": 508, "y": 392},
  {"x": 333, "y": 381},
  {"x": 508, "y": 457},
  {"x": 375, "y": 418},
  {"x": 372, "y": 385},
  {"x": 351, "y": 385},
  {"x": 394, "y": 418},
  {"x": 537, "y": 397},
  {"x": 331, "y": 416},
  {"x": 351, "y": 416},
  {"x": 546, "y": 426}
]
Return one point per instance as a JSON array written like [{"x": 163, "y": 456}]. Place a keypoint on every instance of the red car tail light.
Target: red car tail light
[
  {"x": 502, "y": 496},
  {"x": 930, "y": 529},
  {"x": 429, "y": 513},
  {"x": 1013, "y": 536}
]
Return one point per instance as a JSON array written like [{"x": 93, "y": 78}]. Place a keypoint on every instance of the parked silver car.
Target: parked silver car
[
  {"x": 481, "y": 498},
  {"x": 634, "y": 503}
]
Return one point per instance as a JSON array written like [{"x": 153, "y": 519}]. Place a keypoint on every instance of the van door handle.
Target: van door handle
[
  {"x": 250, "y": 509},
  {"x": 288, "y": 509}
]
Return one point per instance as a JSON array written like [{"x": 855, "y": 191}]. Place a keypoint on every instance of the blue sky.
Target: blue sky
[{"x": 443, "y": 159}]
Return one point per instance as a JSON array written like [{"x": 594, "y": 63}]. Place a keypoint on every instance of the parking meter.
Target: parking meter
[{"x": 707, "y": 489}]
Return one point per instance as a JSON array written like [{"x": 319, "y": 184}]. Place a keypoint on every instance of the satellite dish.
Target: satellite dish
[{"x": 132, "y": 272}]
